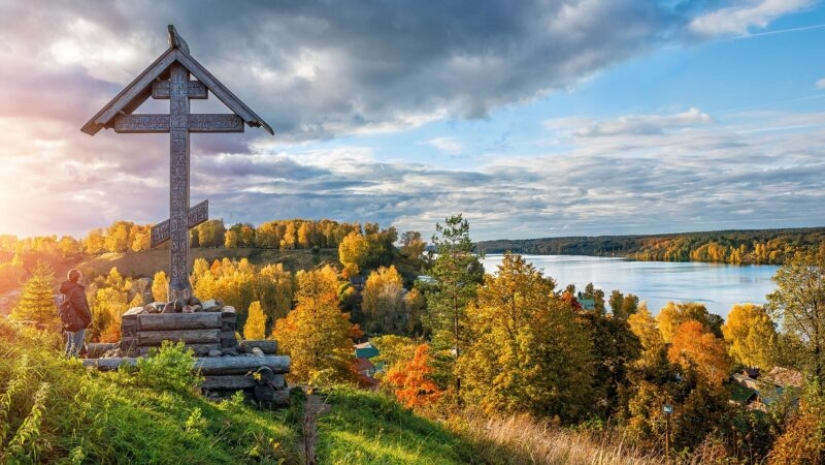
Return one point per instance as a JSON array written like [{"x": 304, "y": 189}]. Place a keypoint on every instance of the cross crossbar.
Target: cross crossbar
[
  {"x": 126, "y": 124},
  {"x": 160, "y": 90},
  {"x": 161, "y": 232}
]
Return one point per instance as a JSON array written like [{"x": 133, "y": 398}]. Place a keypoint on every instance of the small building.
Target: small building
[{"x": 746, "y": 390}]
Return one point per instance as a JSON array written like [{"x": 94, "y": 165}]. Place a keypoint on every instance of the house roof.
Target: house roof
[
  {"x": 362, "y": 364},
  {"x": 133, "y": 95},
  {"x": 587, "y": 304},
  {"x": 366, "y": 350},
  {"x": 784, "y": 377}
]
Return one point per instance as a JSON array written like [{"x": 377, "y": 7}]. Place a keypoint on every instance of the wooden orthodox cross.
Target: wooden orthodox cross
[{"x": 169, "y": 78}]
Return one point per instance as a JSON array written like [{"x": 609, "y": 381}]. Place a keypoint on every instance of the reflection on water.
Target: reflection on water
[{"x": 717, "y": 286}]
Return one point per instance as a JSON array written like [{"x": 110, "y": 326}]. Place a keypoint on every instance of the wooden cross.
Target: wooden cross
[{"x": 168, "y": 78}]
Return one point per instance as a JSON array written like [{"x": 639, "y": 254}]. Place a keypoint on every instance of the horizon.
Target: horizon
[{"x": 581, "y": 119}]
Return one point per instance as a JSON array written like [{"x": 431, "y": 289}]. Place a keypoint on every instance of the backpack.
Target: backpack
[{"x": 68, "y": 315}]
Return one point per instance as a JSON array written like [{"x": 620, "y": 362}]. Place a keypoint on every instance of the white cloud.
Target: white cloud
[
  {"x": 447, "y": 144},
  {"x": 738, "y": 19},
  {"x": 820, "y": 84},
  {"x": 630, "y": 124}
]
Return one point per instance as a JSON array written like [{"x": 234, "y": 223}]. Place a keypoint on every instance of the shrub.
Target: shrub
[{"x": 171, "y": 366}]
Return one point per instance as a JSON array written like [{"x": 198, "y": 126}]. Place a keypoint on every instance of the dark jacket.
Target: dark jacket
[{"x": 77, "y": 296}]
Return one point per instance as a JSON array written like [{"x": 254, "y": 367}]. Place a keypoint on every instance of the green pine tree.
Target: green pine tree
[{"x": 37, "y": 303}]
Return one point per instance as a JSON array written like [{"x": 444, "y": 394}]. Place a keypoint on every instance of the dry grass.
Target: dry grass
[
  {"x": 534, "y": 442},
  {"x": 520, "y": 439}
]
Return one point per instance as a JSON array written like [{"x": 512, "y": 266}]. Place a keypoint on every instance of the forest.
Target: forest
[
  {"x": 467, "y": 346},
  {"x": 742, "y": 247}
]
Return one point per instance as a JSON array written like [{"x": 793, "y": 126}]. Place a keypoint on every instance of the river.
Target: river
[{"x": 717, "y": 286}]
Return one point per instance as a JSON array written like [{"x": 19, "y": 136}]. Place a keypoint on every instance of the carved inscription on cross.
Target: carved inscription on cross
[{"x": 169, "y": 77}]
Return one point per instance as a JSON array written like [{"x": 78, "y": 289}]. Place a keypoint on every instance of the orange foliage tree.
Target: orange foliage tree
[
  {"x": 414, "y": 388},
  {"x": 695, "y": 345}
]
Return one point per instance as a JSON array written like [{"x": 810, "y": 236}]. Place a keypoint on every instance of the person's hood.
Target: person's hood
[{"x": 68, "y": 286}]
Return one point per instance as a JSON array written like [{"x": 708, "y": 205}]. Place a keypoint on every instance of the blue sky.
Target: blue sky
[{"x": 533, "y": 119}]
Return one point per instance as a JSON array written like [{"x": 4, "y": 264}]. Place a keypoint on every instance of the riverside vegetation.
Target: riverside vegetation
[{"x": 507, "y": 367}]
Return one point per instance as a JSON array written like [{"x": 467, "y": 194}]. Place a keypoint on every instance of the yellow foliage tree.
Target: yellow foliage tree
[
  {"x": 529, "y": 352},
  {"x": 751, "y": 335},
  {"x": 643, "y": 325},
  {"x": 160, "y": 287},
  {"x": 383, "y": 303},
  {"x": 316, "y": 334},
  {"x": 674, "y": 314},
  {"x": 255, "y": 326},
  {"x": 353, "y": 253}
]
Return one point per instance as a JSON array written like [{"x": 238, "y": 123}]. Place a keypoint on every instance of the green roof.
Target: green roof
[{"x": 366, "y": 350}]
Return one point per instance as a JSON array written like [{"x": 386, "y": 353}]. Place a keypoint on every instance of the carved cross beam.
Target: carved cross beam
[{"x": 168, "y": 78}]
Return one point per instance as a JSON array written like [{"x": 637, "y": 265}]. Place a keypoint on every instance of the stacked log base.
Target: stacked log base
[
  {"x": 260, "y": 377},
  {"x": 202, "y": 331}
]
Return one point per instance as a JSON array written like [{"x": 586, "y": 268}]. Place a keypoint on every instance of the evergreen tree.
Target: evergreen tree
[
  {"x": 458, "y": 273},
  {"x": 37, "y": 303}
]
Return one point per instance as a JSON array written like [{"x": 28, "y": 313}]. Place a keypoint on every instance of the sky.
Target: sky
[{"x": 531, "y": 118}]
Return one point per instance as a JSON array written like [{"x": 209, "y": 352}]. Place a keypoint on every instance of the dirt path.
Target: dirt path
[{"x": 316, "y": 407}]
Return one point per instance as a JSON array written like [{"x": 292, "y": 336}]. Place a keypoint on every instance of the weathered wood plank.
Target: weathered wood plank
[
  {"x": 160, "y": 90},
  {"x": 268, "y": 347},
  {"x": 228, "y": 382},
  {"x": 215, "y": 123},
  {"x": 219, "y": 90},
  {"x": 208, "y": 366},
  {"x": 213, "y": 366},
  {"x": 191, "y": 336},
  {"x": 136, "y": 91},
  {"x": 161, "y": 232},
  {"x": 178, "y": 321},
  {"x": 125, "y": 124},
  {"x": 95, "y": 349}
]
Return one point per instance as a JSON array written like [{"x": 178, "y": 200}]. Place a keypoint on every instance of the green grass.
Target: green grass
[
  {"x": 369, "y": 428},
  {"x": 54, "y": 410}
]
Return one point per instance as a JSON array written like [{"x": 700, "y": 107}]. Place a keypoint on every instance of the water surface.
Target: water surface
[{"x": 717, "y": 286}]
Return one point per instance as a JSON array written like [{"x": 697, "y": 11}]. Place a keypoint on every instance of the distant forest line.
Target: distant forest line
[{"x": 738, "y": 247}]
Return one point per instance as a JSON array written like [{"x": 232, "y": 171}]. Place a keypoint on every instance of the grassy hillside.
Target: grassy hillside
[{"x": 55, "y": 411}]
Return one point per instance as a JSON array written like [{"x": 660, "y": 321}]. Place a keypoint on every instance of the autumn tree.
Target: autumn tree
[
  {"x": 799, "y": 305},
  {"x": 412, "y": 245},
  {"x": 751, "y": 336},
  {"x": 695, "y": 346},
  {"x": 275, "y": 288},
  {"x": 353, "y": 253},
  {"x": 674, "y": 314},
  {"x": 529, "y": 351},
  {"x": 643, "y": 325},
  {"x": 383, "y": 304},
  {"x": 316, "y": 334},
  {"x": 255, "y": 326},
  {"x": 37, "y": 303},
  {"x": 458, "y": 273},
  {"x": 393, "y": 350},
  {"x": 160, "y": 287},
  {"x": 231, "y": 240},
  {"x": 413, "y": 386}
]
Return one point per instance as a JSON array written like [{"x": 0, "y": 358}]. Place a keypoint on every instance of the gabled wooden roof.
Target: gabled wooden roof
[{"x": 130, "y": 98}]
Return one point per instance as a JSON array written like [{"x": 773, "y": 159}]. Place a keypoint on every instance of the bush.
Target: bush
[{"x": 172, "y": 367}]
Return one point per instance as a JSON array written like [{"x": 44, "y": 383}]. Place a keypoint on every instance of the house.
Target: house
[
  {"x": 587, "y": 304},
  {"x": 358, "y": 282},
  {"x": 753, "y": 390}
]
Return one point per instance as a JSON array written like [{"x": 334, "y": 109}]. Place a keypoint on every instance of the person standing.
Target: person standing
[{"x": 75, "y": 295}]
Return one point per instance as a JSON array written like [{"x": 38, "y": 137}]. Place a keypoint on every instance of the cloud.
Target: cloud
[
  {"x": 820, "y": 84},
  {"x": 739, "y": 19},
  {"x": 631, "y": 124},
  {"x": 316, "y": 70},
  {"x": 447, "y": 144}
]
